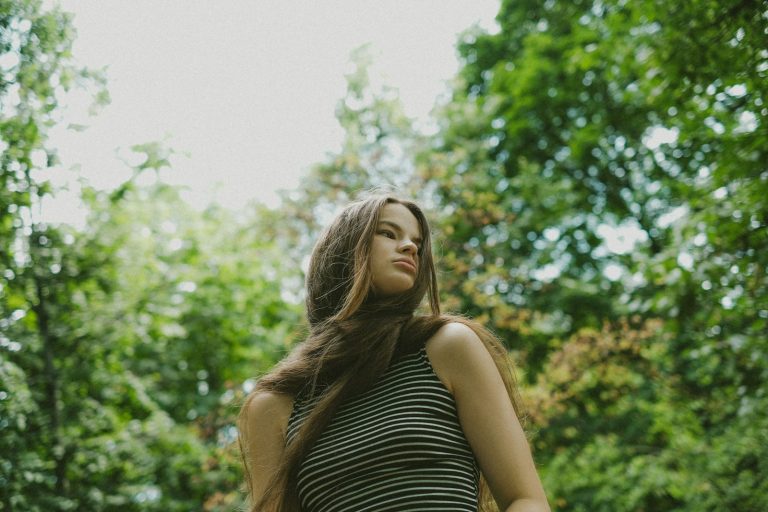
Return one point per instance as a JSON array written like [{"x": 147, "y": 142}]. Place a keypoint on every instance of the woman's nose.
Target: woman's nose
[{"x": 409, "y": 246}]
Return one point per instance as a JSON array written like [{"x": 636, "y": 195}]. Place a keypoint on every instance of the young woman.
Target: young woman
[{"x": 380, "y": 409}]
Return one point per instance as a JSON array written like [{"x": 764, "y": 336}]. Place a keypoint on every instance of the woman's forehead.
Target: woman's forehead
[{"x": 401, "y": 216}]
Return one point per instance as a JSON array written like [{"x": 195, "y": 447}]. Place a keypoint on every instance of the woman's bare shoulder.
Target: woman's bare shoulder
[
  {"x": 268, "y": 409},
  {"x": 452, "y": 340},
  {"x": 448, "y": 349},
  {"x": 264, "y": 421}
]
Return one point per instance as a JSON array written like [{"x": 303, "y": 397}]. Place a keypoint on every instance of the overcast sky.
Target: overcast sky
[{"x": 245, "y": 91}]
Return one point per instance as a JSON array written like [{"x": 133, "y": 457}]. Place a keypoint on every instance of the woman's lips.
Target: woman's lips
[{"x": 406, "y": 265}]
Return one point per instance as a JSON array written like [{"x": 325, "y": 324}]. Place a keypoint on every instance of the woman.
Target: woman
[{"x": 381, "y": 409}]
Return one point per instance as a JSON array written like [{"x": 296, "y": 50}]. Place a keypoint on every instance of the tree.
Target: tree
[
  {"x": 577, "y": 123},
  {"x": 36, "y": 65},
  {"x": 123, "y": 347}
]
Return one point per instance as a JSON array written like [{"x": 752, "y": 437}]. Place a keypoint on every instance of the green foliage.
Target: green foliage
[
  {"x": 124, "y": 345},
  {"x": 581, "y": 120},
  {"x": 157, "y": 315},
  {"x": 23, "y": 466}
]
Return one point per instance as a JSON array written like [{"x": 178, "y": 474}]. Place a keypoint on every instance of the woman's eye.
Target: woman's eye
[{"x": 387, "y": 234}]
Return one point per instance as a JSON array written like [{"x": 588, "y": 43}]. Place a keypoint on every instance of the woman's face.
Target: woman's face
[{"x": 394, "y": 251}]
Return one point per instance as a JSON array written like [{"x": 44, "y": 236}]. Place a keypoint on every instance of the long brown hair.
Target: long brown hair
[{"x": 353, "y": 337}]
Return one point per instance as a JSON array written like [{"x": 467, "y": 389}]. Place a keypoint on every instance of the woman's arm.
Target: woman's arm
[
  {"x": 265, "y": 420},
  {"x": 489, "y": 421}
]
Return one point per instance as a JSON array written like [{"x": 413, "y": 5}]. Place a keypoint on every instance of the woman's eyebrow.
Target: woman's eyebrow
[{"x": 416, "y": 239}]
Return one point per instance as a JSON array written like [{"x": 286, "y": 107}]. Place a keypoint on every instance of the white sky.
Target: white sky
[{"x": 245, "y": 91}]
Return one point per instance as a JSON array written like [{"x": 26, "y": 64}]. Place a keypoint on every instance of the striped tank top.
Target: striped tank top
[{"x": 396, "y": 447}]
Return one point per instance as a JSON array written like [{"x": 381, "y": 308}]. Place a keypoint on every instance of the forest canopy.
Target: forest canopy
[{"x": 597, "y": 189}]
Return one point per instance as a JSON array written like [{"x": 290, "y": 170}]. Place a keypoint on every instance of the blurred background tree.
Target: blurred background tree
[
  {"x": 582, "y": 121},
  {"x": 125, "y": 344},
  {"x": 596, "y": 185}
]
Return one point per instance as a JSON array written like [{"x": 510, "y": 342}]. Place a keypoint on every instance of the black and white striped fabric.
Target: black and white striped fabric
[{"x": 397, "y": 447}]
